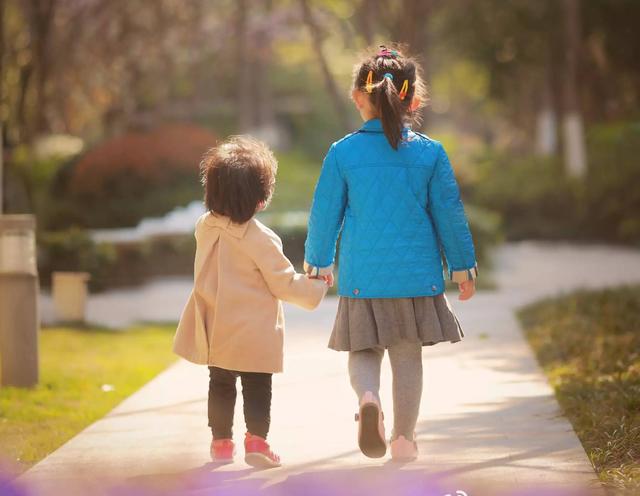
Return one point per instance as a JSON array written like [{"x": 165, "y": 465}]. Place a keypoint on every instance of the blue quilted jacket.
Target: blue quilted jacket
[{"x": 397, "y": 211}]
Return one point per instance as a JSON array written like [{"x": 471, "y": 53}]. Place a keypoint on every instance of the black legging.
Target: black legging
[{"x": 256, "y": 393}]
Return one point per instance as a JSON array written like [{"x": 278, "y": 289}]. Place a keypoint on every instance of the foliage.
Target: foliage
[
  {"x": 537, "y": 199},
  {"x": 612, "y": 192},
  {"x": 75, "y": 364},
  {"x": 532, "y": 195},
  {"x": 295, "y": 182},
  {"x": 486, "y": 228},
  {"x": 132, "y": 176},
  {"x": 29, "y": 178},
  {"x": 520, "y": 44},
  {"x": 113, "y": 265},
  {"x": 73, "y": 250},
  {"x": 589, "y": 345}
]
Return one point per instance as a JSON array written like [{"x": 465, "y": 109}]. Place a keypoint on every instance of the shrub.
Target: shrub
[
  {"x": 133, "y": 176},
  {"x": 73, "y": 250},
  {"x": 612, "y": 191},
  {"x": 114, "y": 265},
  {"x": 532, "y": 195},
  {"x": 536, "y": 199}
]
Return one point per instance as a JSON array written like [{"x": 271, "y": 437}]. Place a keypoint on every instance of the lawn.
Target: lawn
[
  {"x": 589, "y": 345},
  {"x": 84, "y": 373}
]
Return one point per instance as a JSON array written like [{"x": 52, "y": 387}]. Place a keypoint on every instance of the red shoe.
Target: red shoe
[
  {"x": 258, "y": 453},
  {"x": 222, "y": 450}
]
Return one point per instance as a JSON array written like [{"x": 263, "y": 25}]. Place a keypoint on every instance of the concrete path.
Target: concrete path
[{"x": 489, "y": 423}]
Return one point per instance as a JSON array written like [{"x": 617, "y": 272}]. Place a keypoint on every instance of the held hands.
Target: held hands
[
  {"x": 328, "y": 279},
  {"x": 467, "y": 289}
]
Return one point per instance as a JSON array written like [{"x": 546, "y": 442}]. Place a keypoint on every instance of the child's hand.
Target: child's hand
[
  {"x": 328, "y": 279},
  {"x": 467, "y": 290}
]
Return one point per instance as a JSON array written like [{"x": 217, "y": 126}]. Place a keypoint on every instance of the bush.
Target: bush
[
  {"x": 532, "y": 195},
  {"x": 130, "y": 177},
  {"x": 114, "y": 265},
  {"x": 536, "y": 199},
  {"x": 73, "y": 250},
  {"x": 486, "y": 227},
  {"x": 612, "y": 185}
]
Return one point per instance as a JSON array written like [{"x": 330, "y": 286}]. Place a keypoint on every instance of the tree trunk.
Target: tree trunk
[
  {"x": 547, "y": 121},
  {"x": 332, "y": 88},
  {"x": 2, "y": 45},
  {"x": 575, "y": 154},
  {"x": 42, "y": 12},
  {"x": 365, "y": 15},
  {"x": 245, "y": 72},
  {"x": 411, "y": 27},
  {"x": 265, "y": 111}
]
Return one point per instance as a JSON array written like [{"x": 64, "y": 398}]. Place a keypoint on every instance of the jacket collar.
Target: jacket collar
[
  {"x": 223, "y": 222},
  {"x": 372, "y": 126},
  {"x": 375, "y": 126}
]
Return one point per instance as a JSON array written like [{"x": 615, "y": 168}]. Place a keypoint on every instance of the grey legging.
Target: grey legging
[{"x": 406, "y": 366}]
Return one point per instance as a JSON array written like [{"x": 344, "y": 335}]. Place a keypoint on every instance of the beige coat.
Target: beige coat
[{"x": 233, "y": 318}]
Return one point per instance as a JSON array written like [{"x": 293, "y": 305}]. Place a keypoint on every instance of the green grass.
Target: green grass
[
  {"x": 74, "y": 366},
  {"x": 589, "y": 345}
]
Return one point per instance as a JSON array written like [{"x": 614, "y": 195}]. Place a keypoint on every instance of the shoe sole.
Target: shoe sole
[
  {"x": 369, "y": 440},
  {"x": 403, "y": 459},
  {"x": 258, "y": 460}
]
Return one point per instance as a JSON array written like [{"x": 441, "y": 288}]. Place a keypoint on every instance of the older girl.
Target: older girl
[{"x": 392, "y": 194}]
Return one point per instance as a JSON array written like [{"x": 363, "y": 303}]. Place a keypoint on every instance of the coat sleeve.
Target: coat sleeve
[
  {"x": 281, "y": 277},
  {"x": 326, "y": 217},
  {"x": 450, "y": 221}
]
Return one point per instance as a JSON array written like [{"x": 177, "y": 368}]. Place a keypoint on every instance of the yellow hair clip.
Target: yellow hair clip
[
  {"x": 404, "y": 90},
  {"x": 369, "y": 86}
]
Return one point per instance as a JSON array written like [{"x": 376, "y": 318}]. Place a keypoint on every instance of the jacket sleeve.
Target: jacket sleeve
[
  {"x": 281, "y": 277},
  {"x": 450, "y": 221},
  {"x": 326, "y": 217}
]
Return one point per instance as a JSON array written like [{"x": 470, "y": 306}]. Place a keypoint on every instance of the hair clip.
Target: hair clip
[
  {"x": 369, "y": 85},
  {"x": 388, "y": 75},
  {"x": 404, "y": 90},
  {"x": 385, "y": 52}
]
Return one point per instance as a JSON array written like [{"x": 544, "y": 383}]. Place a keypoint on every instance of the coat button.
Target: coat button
[
  {"x": 356, "y": 291},
  {"x": 434, "y": 287}
]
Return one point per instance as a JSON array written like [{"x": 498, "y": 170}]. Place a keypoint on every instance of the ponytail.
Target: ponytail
[
  {"x": 391, "y": 111},
  {"x": 392, "y": 80}
]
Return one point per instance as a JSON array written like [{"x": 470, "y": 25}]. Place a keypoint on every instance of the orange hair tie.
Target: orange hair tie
[
  {"x": 369, "y": 86},
  {"x": 404, "y": 90}
]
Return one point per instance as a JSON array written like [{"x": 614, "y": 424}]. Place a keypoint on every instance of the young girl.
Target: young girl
[
  {"x": 233, "y": 320},
  {"x": 393, "y": 195}
]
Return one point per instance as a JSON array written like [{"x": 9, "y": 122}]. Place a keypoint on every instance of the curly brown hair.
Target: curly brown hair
[{"x": 239, "y": 176}]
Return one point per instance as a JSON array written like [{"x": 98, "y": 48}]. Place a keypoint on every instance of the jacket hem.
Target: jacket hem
[{"x": 380, "y": 296}]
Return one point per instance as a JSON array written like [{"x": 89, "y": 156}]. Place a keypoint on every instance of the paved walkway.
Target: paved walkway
[{"x": 489, "y": 423}]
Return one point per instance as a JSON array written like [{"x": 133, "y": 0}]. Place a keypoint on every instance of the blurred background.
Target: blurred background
[{"x": 107, "y": 107}]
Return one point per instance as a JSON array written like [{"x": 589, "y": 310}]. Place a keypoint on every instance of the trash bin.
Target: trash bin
[
  {"x": 19, "y": 320},
  {"x": 69, "y": 290}
]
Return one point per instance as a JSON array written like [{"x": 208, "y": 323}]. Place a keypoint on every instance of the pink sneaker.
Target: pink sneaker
[
  {"x": 403, "y": 450},
  {"x": 222, "y": 450},
  {"x": 258, "y": 453},
  {"x": 370, "y": 420}
]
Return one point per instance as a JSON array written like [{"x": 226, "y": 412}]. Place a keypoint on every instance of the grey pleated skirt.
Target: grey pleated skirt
[{"x": 363, "y": 323}]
